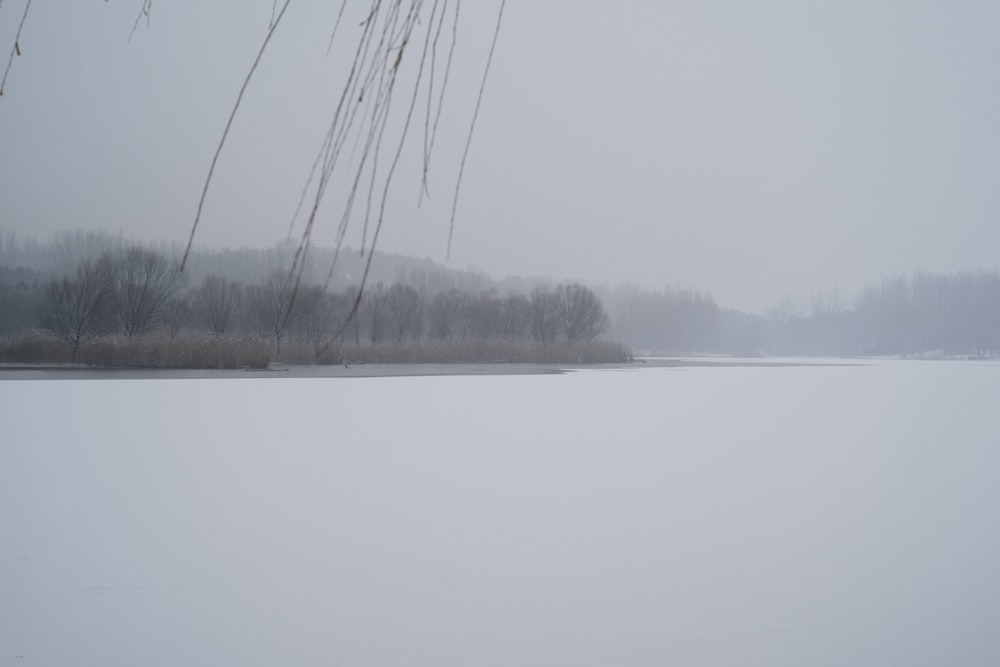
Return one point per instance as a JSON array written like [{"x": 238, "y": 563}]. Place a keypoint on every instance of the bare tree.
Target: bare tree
[
  {"x": 375, "y": 312},
  {"x": 515, "y": 309},
  {"x": 318, "y": 312},
  {"x": 272, "y": 306},
  {"x": 487, "y": 314},
  {"x": 354, "y": 323},
  {"x": 362, "y": 116},
  {"x": 75, "y": 309},
  {"x": 217, "y": 303},
  {"x": 176, "y": 315},
  {"x": 544, "y": 315},
  {"x": 403, "y": 49},
  {"x": 405, "y": 311},
  {"x": 581, "y": 313},
  {"x": 140, "y": 282},
  {"x": 444, "y": 314},
  {"x": 21, "y": 292}
]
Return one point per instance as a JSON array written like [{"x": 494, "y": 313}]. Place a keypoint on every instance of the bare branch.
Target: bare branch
[
  {"x": 147, "y": 5},
  {"x": 16, "y": 50},
  {"x": 336, "y": 25},
  {"x": 472, "y": 127},
  {"x": 225, "y": 133},
  {"x": 430, "y": 133}
]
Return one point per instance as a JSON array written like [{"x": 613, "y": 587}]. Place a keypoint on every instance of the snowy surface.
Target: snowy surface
[{"x": 690, "y": 516}]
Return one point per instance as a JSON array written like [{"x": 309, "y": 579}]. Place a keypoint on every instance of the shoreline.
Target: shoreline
[{"x": 15, "y": 372}]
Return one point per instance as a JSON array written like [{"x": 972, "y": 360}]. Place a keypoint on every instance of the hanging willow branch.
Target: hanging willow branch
[
  {"x": 147, "y": 6},
  {"x": 472, "y": 126},
  {"x": 365, "y": 138},
  {"x": 362, "y": 119},
  {"x": 16, "y": 49},
  {"x": 229, "y": 124}
]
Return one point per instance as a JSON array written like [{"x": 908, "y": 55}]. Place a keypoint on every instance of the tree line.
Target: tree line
[
  {"x": 134, "y": 291},
  {"x": 676, "y": 321},
  {"x": 243, "y": 294},
  {"x": 923, "y": 315}
]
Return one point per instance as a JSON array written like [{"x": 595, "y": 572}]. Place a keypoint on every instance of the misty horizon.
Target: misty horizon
[
  {"x": 788, "y": 301},
  {"x": 748, "y": 152},
  {"x": 434, "y": 310},
  {"x": 674, "y": 340}
]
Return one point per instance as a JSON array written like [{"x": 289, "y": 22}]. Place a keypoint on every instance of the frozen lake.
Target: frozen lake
[{"x": 778, "y": 516}]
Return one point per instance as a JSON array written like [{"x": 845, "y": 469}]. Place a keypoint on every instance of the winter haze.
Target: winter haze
[
  {"x": 707, "y": 496},
  {"x": 749, "y": 150}
]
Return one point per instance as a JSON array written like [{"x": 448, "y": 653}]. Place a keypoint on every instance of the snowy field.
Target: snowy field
[{"x": 746, "y": 516}]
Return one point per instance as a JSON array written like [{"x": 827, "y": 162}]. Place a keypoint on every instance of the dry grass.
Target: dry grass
[
  {"x": 196, "y": 350},
  {"x": 34, "y": 348},
  {"x": 149, "y": 351},
  {"x": 469, "y": 350}
]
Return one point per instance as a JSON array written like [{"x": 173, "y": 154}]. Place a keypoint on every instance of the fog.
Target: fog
[
  {"x": 819, "y": 515},
  {"x": 831, "y": 166},
  {"x": 745, "y": 151}
]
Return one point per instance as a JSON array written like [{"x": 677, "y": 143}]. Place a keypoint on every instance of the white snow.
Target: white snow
[{"x": 693, "y": 516}]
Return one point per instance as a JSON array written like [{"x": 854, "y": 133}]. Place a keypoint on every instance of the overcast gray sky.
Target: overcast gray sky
[{"x": 748, "y": 149}]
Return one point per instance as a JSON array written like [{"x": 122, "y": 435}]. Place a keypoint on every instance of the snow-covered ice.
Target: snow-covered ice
[{"x": 835, "y": 515}]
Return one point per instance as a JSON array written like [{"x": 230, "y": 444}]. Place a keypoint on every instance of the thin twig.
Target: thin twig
[
  {"x": 386, "y": 102},
  {"x": 424, "y": 186},
  {"x": 333, "y": 145},
  {"x": 444, "y": 86},
  {"x": 225, "y": 133},
  {"x": 147, "y": 5},
  {"x": 16, "y": 49},
  {"x": 336, "y": 25},
  {"x": 385, "y": 194},
  {"x": 362, "y": 119},
  {"x": 472, "y": 127}
]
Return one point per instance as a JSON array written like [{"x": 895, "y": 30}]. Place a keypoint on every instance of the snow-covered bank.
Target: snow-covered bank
[
  {"x": 685, "y": 516},
  {"x": 285, "y": 371}
]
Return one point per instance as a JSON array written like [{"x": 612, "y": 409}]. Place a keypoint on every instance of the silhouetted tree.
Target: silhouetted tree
[
  {"x": 515, "y": 311},
  {"x": 444, "y": 314},
  {"x": 405, "y": 311},
  {"x": 217, "y": 303},
  {"x": 486, "y": 314},
  {"x": 75, "y": 309},
  {"x": 21, "y": 293},
  {"x": 581, "y": 313},
  {"x": 176, "y": 316},
  {"x": 318, "y": 313},
  {"x": 545, "y": 315},
  {"x": 375, "y": 312},
  {"x": 140, "y": 282},
  {"x": 272, "y": 307}
]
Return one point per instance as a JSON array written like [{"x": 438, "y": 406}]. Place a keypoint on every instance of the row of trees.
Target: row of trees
[
  {"x": 105, "y": 285},
  {"x": 136, "y": 290},
  {"x": 917, "y": 316},
  {"x": 64, "y": 251},
  {"x": 399, "y": 313},
  {"x": 924, "y": 314},
  {"x": 129, "y": 291}
]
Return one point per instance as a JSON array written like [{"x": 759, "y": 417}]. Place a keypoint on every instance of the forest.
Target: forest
[
  {"x": 926, "y": 315},
  {"x": 96, "y": 298}
]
